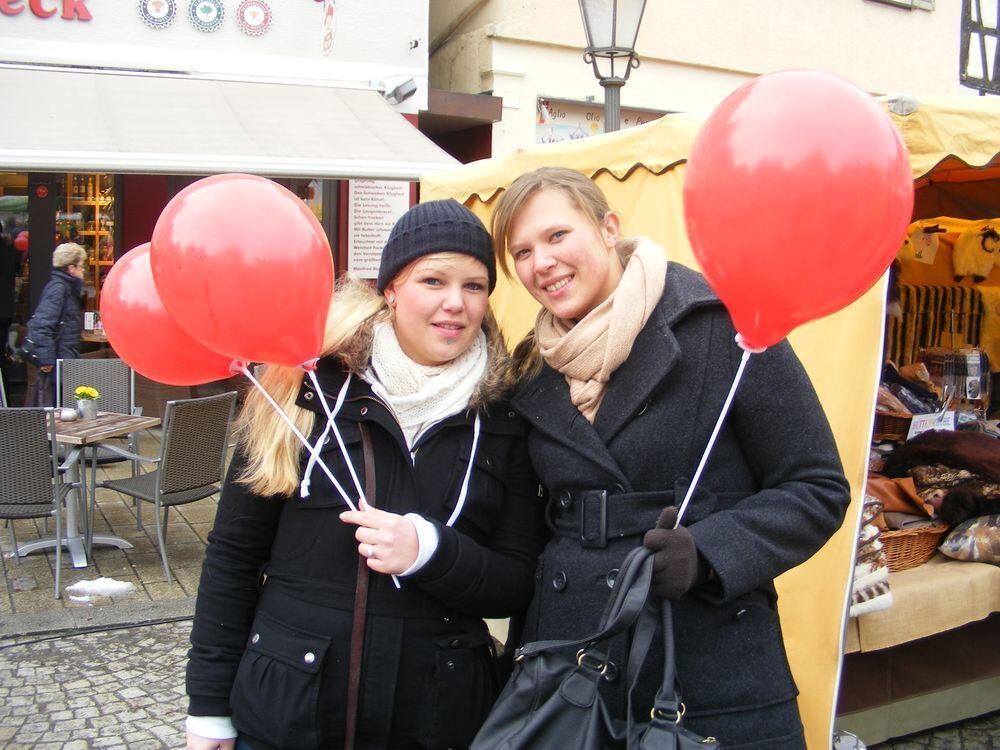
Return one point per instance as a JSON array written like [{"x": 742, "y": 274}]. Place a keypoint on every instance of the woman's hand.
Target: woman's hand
[
  {"x": 194, "y": 742},
  {"x": 388, "y": 541}
]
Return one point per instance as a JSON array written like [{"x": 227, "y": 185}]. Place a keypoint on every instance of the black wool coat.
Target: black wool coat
[
  {"x": 772, "y": 493},
  {"x": 271, "y": 635},
  {"x": 57, "y": 322}
]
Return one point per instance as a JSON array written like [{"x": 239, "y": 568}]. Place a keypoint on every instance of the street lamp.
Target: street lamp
[{"x": 612, "y": 26}]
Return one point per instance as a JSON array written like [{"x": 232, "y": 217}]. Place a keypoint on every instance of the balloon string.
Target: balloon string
[
  {"x": 241, "y": 367},
  {"x": 331, "y": 417},
  {"x": 715, "y": 434}
]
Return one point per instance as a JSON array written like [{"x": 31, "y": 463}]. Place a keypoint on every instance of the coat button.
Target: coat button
[
  {"x": 610, "y": 578},
  {"x": 364, "y": 410},
  {"x": 308, "y": 396},
  {"x": 510, "y": 414},
  {"x": 309, "y": 658},
  {"x": 450, "y": 664},
  {"x": 327, "y": 440},
  {"x": 559, "y": 581},
  {"x": 256, "y": 637},
  {"x": 565, "y": 499}
]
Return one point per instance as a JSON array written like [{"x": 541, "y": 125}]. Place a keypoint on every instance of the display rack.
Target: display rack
[{"x": 89, "y": 221}]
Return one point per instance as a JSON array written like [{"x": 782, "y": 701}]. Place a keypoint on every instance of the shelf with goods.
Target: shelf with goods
[{"x": 89, "y": 220}]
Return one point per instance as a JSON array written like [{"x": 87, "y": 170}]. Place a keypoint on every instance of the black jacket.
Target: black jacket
[
  {"x": 273, "y": 620},
  {"x": 771, "y": 495},
  {"x": 57, "y": 322}
]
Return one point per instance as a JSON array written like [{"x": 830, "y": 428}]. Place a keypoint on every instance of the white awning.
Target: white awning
[{"x": 61, "y": 120}]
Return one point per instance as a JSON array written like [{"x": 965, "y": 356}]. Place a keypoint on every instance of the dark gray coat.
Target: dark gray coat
[
  {"x": 57, "y": 322},
  {"x": 772, "y": 493}
]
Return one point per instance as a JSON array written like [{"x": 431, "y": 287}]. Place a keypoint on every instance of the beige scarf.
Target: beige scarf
[{"x": 589, "y": 352}]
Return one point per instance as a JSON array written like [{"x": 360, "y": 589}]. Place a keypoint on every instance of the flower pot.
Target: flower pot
[{"x": 87, "y": 408}]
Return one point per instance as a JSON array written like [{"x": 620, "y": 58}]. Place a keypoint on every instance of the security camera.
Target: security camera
[{"x": 402, "y": 92}]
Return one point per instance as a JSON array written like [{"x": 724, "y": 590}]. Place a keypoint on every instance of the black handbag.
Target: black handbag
[{"x": 553, "y": 698}]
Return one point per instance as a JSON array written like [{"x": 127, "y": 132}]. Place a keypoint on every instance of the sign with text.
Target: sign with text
[
  {"x": 569, "y": 121},
  {"x": 373, "y": 206}
]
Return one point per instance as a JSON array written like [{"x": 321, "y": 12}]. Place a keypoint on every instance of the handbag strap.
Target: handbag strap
[
  {"x": 628, "y": 599},
  {"x": 360, "y": 604}
]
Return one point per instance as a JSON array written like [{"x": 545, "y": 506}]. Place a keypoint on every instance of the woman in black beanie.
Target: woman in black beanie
[{"x": 301, "y": 639}]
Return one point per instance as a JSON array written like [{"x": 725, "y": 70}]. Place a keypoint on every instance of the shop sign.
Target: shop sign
[
  {"x": 72, "y": 10},
  {"x": 253, "y": 17},
  {"x": 373, "y": 207},
  {"x": 569, "y": 121},
  {"x": 206, "y": 15},
  {"x": 158, "y": 14},
  {"x": 329, "y": 8}
]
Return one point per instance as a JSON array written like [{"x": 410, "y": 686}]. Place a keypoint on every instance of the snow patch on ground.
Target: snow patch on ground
[{"x": 84, "y": 590}]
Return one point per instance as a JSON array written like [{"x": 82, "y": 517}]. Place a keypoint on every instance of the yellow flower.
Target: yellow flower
[{"x": 86, "y": 393}]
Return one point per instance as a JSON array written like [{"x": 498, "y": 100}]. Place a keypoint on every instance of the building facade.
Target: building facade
[{"x": 693, "y": 53}]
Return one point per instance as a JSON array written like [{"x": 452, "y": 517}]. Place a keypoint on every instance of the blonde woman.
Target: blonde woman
[
  {"x": 626, "y": 371},
  {"x": 421, "y": 368}
]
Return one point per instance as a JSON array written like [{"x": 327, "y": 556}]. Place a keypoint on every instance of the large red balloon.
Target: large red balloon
[
  {"x": 797, "y": 196},
  {"x": 244, "y": 267},
  {"x": 144, "y": 334},
  {"x": 21, "y": 241}
]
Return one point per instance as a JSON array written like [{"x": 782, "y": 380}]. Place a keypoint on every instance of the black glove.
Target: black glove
[{"x": 677, "y": 567}]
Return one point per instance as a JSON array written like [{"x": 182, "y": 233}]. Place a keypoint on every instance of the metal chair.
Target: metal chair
[
  {"x": 30, "y": 482},
  {"x": 190, "y": 465},
  {"x": 115, "y": 381}
]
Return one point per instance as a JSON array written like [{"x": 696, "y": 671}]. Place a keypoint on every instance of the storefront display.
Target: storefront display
[{"x": 87, "y": 218}]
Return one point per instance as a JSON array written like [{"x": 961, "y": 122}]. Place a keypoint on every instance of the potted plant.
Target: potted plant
[{"x": 86, "y": 401}]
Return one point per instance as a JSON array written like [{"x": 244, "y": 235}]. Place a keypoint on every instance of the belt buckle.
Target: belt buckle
[{"x": 589, "y": 499}]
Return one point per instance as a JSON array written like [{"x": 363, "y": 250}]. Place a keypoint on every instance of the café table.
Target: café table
[{"x": 84, "y": 433}]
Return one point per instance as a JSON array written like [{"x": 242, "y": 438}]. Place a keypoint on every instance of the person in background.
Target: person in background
[
  {"x": 10, "y": 268},
  {"x": 624, "y": 377},
  {"x": 56, "y": 324},
  {"x": 424, "y": 373}
]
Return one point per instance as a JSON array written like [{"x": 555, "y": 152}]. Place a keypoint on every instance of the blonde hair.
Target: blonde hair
[
  {"x": 272, "y": 449},
  {"x": 69, "y": 254},
  {"x": 581, "y": 191}
]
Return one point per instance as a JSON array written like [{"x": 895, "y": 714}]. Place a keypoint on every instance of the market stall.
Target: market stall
[{"x": 642, "y": 172}]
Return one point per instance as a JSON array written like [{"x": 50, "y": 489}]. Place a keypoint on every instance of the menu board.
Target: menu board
[{"x": 373, "y": 206}]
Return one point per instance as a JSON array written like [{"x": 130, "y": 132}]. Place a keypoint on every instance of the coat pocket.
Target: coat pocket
[
  {"x": 463, "y": 687},
  {"x": 484, "y": 499},
  {"x": 731, "y": 657},
  {"x": 276, "y": 693}
]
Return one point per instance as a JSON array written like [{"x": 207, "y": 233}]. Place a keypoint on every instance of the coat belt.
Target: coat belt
[{"x": 596, "y": 517}]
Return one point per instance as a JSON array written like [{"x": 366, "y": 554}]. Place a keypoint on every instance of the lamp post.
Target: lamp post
[{"x": 612, "y": 26}]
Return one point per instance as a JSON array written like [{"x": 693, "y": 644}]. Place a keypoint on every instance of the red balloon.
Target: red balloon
[
  {"x": 144, "y": 334},
  {"x": 797, "y": 196},
  {"x": 21, "y": 241},
  {"x": 244, "y": 267}
]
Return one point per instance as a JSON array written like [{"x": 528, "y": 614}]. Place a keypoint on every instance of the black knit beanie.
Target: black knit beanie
[{"x": 435, "y": 227}]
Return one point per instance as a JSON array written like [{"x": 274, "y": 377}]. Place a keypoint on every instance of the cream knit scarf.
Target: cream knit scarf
[
  {"x": 420, "y": 395},
  {"x": 589, "y": 352}
]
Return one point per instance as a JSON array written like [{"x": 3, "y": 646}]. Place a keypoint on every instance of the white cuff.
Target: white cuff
[
  {"x": 427, "y": 542},
  {"x": 211, "y": 727}
]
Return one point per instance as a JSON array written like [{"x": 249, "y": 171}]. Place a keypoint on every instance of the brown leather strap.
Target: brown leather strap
[{"x": 360, "y": 604}]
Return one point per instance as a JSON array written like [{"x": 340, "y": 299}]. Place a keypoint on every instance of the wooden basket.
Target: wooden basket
[
  {"x": 891, "y": 426},
  {"x": 908, "y": 548}
]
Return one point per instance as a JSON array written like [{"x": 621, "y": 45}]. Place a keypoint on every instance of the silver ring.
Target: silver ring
[{"x": 371, "y": 551}]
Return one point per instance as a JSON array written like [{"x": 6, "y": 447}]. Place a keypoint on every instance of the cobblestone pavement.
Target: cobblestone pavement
[
  {"x": 982, "y": 733},
  {"x": 107, "y": 689}
]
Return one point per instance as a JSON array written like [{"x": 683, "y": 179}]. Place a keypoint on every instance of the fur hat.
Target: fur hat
[{"x": 444, "y": 226}]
